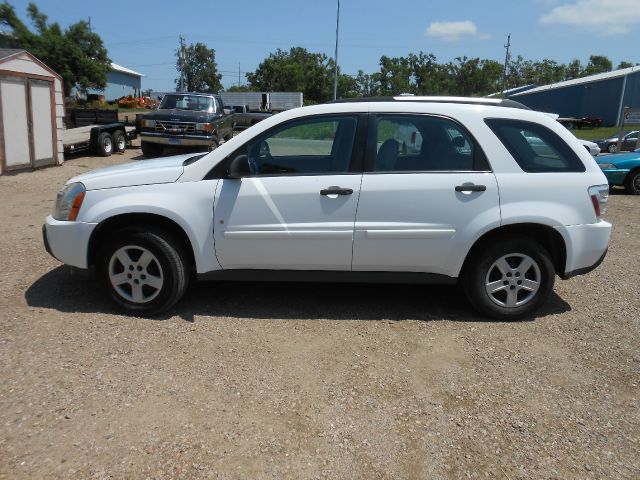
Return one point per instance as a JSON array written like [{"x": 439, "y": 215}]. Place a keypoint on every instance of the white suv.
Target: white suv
[{"x": 330, "y": 193}]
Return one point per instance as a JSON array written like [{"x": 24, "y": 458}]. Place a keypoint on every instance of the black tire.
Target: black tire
[
  {"x": 612, "y": 148},
  {"x": 168, "y": 268},
  {"x": 119, "y": 141},
  {"x": 632, "y": 182},
  {"x": 151, "y": 150},
  {"x": 482, "y": 271},
  {"x": 105, "y": 144}
]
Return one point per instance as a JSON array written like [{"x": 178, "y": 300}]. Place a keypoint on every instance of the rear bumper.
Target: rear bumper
[
  {"x": 182, "y": 140},
  {"x": 584, "y": 270},
  {"x": 67, "y": 242},
  {"x": 586, "y": 247}
]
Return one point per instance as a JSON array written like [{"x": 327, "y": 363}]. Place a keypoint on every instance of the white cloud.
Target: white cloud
[
  {"x": 454, "y": 31},
  {"x": 604, "y": 17}
]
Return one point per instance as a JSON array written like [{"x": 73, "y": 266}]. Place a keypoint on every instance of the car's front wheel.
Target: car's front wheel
[
  {"x": 145, "y": 271},
  {"x": 509, "y": 279},
  {"x": 632, "y": 183},
  {"x": 612, "y": 148}
]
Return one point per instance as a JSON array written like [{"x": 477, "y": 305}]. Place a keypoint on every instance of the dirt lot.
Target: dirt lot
[{"x": 310, "y": 381}]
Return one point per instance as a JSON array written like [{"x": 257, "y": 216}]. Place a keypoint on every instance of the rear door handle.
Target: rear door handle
[
  {"x": 336, "y": 191},
  {"x": 471, "y": 188}
]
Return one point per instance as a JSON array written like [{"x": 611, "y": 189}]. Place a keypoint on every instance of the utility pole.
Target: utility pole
[
  {"x": 238, "y": 74},
  {"x": 506, "y": 63},
  {"x": 335, "y": 67},
  {"x": 181, "y": 60}
]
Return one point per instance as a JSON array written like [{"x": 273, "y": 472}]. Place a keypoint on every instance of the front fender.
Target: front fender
[{"x": 189, "y": 205}]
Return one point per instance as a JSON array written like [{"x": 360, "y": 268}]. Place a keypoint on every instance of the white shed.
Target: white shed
[{"x": 31, "y": 112}]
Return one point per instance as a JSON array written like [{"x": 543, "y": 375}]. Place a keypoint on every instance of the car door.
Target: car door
[
  {"x": 427, "y": 193},
  {"x": 297, "y": 208},
  {"x": 630, "y": 141}
]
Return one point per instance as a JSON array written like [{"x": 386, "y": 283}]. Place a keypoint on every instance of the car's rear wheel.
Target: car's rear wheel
[
  {"x": 632, "y": 183},
  {"x": 509, "y": 279},
  {"x": 144, "y": 271},
  {"x": 613, "y": 148}
]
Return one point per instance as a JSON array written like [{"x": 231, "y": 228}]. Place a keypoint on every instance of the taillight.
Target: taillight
[{"x": 599, "y": 197}]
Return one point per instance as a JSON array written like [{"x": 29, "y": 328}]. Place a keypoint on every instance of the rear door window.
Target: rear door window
[
  {"x": 534, "y": 147},
  {"x": 422, "y": 143}
]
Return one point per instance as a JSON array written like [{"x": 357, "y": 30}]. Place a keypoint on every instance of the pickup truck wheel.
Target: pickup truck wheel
[
  {"x": 632, "y": 183},
  {"x": 105, "y": 144},
  {"x": 119, "y": 141},
  {"x": 144, "y": 271},
  {"x": 509, "y": 279},
  {"x": 613, "y": 148},
  {"x": 151, "y": 150}
]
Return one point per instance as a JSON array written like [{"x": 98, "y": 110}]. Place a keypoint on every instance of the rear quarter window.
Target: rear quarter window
[{"x": 534, "y": 147}]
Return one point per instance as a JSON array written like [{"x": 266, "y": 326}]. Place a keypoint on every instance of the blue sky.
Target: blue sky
[{"x": 143, "y": 35}]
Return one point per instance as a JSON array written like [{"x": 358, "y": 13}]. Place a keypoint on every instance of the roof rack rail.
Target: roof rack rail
[{"x": 496, "y": 102}]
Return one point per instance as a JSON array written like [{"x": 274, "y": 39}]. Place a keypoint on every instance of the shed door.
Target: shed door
[
  {"x": 41, "y": 123},
  {"x": 15, "y": 122}
]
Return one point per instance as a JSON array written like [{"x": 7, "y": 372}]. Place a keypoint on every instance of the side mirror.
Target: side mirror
[
  {"x": 239, "y": 167},
  {"x": 227, "y": 111}
]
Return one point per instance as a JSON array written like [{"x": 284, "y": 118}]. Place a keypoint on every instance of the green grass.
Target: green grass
[{"x": 592, "y": 134}]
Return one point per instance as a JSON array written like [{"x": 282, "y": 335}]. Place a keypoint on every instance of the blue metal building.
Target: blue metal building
[
  {"x": 603, "y": 95},
  {"x": 121, "y": 82}
]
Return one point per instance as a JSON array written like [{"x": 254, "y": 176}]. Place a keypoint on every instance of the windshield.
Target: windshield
[{"x": 187, "y": 102}]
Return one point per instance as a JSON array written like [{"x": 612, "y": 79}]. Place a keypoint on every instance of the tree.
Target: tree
[
  {"x": 297, "y": 70},
  {"x": 573, "y": 70},
  {"x": 598, "y": 64},
  {"x": 239, "y": 88},
  {"x": 198, "y": 69},
  {"x": 624, "y": 64},
  {"x": 77, "y": 54}
]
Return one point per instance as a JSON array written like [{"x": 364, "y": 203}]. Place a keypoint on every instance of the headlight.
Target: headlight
[
  {"x": 607, "y": 166},
  {"x": 149, "y": 123},
  {"x": 204, "y": 127},
  {"x": 69, "y": 201}
]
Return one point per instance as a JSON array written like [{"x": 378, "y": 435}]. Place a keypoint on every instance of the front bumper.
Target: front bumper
[
  {"x": 68, "y": 242},
  {"x": 177, "y": 140},
  {"x": 586, "y": 247}
]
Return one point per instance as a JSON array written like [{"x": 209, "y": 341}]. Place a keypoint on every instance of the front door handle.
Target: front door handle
[
  {"x": 471, "y": 188},
  {"x": 336, "y": 191}
]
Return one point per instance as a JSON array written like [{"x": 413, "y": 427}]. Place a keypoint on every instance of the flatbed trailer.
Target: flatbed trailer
[{"x": 102, "y": 139}]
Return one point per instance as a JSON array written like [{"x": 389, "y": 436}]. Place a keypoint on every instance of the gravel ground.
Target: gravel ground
[{"x": 310, "y": 381}]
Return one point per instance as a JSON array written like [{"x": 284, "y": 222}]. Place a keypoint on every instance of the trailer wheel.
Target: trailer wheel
[
  {"x": 119, "y": 141},
  {"x": 105, "y": 144}
]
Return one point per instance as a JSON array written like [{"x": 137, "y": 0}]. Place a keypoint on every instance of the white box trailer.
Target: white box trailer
[{"x": 264, "y": 101}]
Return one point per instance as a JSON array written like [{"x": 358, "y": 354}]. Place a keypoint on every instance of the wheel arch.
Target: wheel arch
[
  {"x": 137, "y": 221},
  {"x": 547, "y": 236},
  {"x": 630, "y": 174}
]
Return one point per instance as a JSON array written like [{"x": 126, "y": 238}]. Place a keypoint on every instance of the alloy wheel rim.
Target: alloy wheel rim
[
  {"x": 120, "y": 143},
  {"x": 513, "y": 280},
  {"x": 108, "y": 144},
  {"x": 135, "y": 274}
]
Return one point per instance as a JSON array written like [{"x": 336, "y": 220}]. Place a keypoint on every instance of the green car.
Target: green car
[{"x": 622, "y": 169}]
